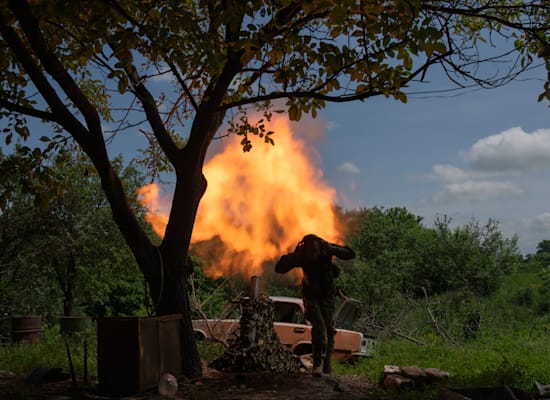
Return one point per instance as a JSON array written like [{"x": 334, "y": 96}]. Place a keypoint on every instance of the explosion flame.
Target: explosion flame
[{"x": 258, "y": 204}]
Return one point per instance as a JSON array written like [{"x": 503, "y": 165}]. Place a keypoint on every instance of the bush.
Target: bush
[{"x": 404, "y": 256}]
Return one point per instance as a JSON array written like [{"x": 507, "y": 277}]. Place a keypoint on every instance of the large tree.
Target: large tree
[{"x": 60, "y": 61}]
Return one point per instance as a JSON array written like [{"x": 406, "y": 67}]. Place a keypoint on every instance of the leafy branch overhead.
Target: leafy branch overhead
[{"x": 230, "y": 55}]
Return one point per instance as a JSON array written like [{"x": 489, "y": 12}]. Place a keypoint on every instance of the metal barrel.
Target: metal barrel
[
  {"x": 255, "y": 287},
  {"x": 26, "y": 329},
  {"x": 74, "y": 325}
]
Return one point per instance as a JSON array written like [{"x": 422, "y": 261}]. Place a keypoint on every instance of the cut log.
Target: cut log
[{"x": 394, "y": 381}]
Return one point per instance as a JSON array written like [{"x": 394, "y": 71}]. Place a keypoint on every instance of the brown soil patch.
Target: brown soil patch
[{"x": 214, "y": 385}]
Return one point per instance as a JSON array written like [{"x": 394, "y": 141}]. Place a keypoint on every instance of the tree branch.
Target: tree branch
[
  {"x": 486, "y": 12},
  {"x": 53, "y": 66},
  {"x": 335, "y": 98},
  {"x": 173, "y": 68},
  {"x": 93, "y": 145},
  {"x": 63, "y": 115},
  {"x": 153, "y": 116},
  {"x": 32, "y": 112},
  {"x": 438, "y": 329},
  {"x": 183, "y": 85}
]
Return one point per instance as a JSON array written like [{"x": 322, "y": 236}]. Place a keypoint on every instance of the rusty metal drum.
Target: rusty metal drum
[{"x": 26, "y": 329}]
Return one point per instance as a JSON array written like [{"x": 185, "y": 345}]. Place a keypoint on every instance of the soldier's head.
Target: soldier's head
[{"x": 310, "y": 247}]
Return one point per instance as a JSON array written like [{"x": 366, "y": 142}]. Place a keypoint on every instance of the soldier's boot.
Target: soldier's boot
[{"x": 317, "y": 369}]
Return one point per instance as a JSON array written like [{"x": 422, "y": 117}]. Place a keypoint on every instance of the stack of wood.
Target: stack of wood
[
  {"x": 411, "y": 376},
  {"x": 258, "y": 347}
]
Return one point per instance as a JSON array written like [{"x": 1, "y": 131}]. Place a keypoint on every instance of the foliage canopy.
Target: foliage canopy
[{"x": 67, "y": 256}]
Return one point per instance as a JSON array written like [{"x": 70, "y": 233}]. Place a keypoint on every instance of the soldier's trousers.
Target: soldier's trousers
[{"x": 320, "y": 312}]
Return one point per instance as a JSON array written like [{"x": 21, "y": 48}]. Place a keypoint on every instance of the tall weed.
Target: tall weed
[{"x": 51, "y": 351}]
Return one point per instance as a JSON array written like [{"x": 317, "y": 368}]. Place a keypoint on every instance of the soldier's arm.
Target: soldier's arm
[
  {"x": 286, "y": 263},
  {"x": 342, "y": 252}
]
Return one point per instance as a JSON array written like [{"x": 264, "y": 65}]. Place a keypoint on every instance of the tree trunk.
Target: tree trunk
[
  {"x": 65, "y": 272},
  {"x": 172, "y": 266},
  {"x": 163, "y": 267},
  {"x": 68, "y": 293},
  {"x": 171, "y": 297},
  {"x": 170, "y": 289}
]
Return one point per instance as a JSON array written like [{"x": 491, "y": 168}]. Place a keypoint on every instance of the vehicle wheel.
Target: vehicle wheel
[{"x": 302, "y": 349}]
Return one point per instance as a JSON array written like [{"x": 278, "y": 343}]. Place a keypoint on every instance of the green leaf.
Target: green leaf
[
  {"x": 294, "y": 113},
  {"x": 122, "y": 85},
  {"x": 407, "y": 62}
]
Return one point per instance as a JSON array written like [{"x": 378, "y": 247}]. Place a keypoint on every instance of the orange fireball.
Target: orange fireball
[{"x": 259, "y": 204}]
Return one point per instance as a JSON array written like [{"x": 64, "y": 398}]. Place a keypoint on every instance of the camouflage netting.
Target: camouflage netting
[{"x": 258, "y": 347}]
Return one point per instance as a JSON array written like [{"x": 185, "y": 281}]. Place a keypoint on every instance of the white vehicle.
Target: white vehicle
[{"x": 294, "y": 331}]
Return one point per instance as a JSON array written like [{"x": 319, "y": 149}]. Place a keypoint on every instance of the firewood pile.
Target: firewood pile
[
  {"x": 411, "y": 376},
  {"x": 258, "y": 347}
]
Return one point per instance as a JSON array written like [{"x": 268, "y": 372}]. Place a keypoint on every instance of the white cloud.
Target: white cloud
[
  {"x": 449, "y": 173},
  {"x": 493, "y": 160},
  {"x": 511, "y": 150},
  {"x": 476, "y": 190},
  {"x": 349, "y": 167},
  {"x": 541, "y": 222}
]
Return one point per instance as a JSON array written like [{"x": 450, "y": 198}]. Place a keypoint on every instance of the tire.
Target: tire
[{"x": 303, "y": 349}]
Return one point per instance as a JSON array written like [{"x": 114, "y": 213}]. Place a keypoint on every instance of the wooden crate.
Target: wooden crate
[{"x": 133, "y": 352}]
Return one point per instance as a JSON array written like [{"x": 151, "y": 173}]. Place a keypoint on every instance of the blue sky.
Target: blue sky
[{"x": 473, "y": 154}]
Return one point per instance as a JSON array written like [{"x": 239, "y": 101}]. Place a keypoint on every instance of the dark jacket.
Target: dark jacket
[{"x": 316, "y": 263}]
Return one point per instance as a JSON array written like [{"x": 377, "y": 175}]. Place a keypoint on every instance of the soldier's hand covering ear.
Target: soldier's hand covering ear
[{"x": 299, "y": 248}]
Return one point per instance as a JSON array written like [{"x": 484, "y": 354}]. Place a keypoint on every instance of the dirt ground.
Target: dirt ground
[{"x": 214, "y": 385}]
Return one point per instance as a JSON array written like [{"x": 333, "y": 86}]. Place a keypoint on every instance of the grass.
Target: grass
[
  {"x": 517, "y": 361},
  {"x": 209, "y": 351},
  {"x": 23, "y": 358}
]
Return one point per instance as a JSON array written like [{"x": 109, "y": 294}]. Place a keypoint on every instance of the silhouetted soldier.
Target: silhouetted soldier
[{"x": 314, "y": 256}]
